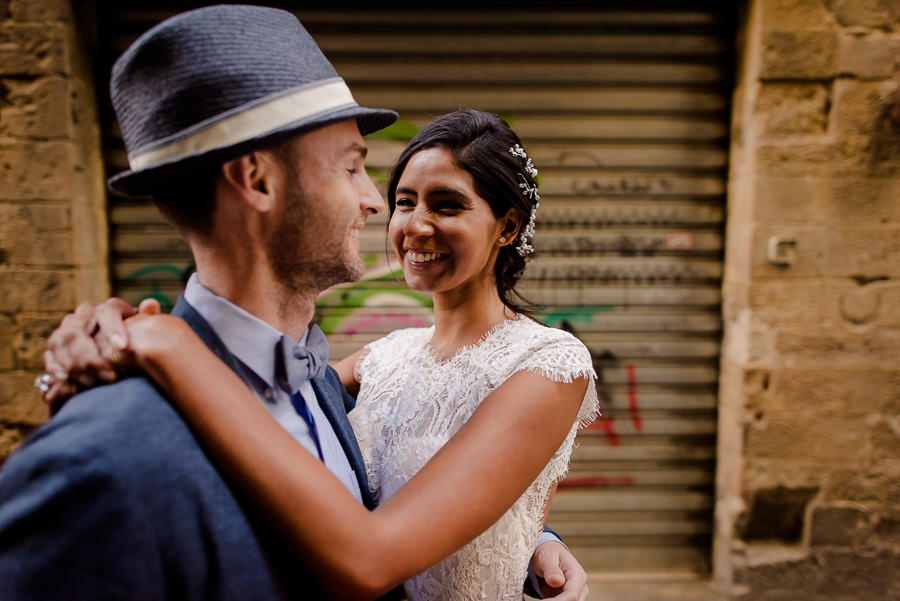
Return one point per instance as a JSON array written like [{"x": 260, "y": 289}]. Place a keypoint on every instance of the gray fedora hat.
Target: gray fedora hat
[{"x": 211, "y": 84}]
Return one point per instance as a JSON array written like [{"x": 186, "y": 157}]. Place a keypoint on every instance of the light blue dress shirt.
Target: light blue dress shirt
[{"x": 253, "y": 342}]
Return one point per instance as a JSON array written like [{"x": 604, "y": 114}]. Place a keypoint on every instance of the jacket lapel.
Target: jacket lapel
[{"x": 332, "y": 404}]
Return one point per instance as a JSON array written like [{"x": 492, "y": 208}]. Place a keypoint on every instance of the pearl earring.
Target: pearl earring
[{"x": 502, "y": 239}]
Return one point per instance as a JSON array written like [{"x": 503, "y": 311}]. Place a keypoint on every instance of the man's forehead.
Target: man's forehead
[{"x": 342, "y": 137}]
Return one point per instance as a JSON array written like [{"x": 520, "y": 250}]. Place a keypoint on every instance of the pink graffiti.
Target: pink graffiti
[{"x": 363, "y": 323}]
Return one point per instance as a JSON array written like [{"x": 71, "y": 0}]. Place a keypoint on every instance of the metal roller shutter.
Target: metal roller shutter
[{"x": 624, "y": 111}]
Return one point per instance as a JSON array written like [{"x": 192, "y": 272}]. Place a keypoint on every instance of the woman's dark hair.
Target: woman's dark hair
[{"x": 479, "y": 143}]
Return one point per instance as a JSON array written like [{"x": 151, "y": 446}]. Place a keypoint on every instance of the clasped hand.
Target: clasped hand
[{"x": 98, "y": 344}]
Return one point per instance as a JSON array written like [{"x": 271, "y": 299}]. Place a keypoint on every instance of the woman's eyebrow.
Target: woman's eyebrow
[{"x": 447, "y": 191}]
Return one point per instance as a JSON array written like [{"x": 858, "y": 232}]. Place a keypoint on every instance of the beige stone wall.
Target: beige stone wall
[
  {"x": 52, "y": 202},
  {"x": 809, "y": 455}
]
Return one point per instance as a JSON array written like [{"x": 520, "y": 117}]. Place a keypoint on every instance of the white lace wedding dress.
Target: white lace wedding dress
[{"x": 411, "y": 402}]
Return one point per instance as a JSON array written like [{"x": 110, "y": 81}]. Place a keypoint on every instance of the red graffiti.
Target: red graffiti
[
  {"x": 633, "y": 400},
  {"x": 597, "y": 481},
  {"x": 604, "y": 423}
]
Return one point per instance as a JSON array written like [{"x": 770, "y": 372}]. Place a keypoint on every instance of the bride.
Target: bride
[{"x": 465, "y": 426}]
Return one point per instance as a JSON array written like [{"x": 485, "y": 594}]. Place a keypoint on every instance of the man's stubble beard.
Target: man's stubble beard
[{"x": 303, "y": 264}]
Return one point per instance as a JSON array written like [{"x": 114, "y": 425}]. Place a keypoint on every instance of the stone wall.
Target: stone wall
[
  {"x": 53, "y": 236},
  {"x": 809, "y": 452}
]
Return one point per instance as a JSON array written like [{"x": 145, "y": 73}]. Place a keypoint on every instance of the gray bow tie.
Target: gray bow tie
[{"x": 299, "y": 363}]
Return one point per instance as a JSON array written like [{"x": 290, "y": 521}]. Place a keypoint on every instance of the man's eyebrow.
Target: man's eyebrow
[{"x": 362, "y": 149}]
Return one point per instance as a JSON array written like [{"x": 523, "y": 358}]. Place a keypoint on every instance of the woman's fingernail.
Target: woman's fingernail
[{"x": 117, "y": 341}]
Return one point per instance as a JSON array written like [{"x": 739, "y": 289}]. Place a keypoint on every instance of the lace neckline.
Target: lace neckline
[{"x": 438, "y": 359}]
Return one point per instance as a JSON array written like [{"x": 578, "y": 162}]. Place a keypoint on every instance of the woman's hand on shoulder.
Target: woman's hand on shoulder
[
  {"x": 82, "y": 352},
  {"x": 154, "y": 339}
]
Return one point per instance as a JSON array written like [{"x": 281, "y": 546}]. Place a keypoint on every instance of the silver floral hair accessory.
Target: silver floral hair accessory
[{"x": 524, "y": 247}]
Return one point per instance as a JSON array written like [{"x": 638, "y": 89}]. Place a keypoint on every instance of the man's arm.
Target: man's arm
[{"x": 67, "y": 531}]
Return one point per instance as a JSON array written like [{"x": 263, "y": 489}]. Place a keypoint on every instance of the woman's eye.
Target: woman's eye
[
  {"x": 404, "y": 202},
  {"x": 449, "y": 205}
]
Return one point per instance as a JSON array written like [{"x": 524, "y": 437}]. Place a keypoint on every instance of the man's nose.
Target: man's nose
[{"x": 371, "y": 201}]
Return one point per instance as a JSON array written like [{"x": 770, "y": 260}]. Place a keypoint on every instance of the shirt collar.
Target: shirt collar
[{"x": 246, "y": 336}]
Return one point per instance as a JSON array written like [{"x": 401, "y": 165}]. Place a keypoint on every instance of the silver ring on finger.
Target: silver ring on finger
[{"x": 43, "y": 383}]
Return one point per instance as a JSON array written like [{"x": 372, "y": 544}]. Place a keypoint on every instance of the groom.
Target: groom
[{"x": 252, "y": 146}]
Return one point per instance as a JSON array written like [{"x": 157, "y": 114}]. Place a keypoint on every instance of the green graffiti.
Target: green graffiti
[
  {"x": 402, "y": 131},
  {"x": 143, "y": 275},
  {"x": 557, "y": 315}
]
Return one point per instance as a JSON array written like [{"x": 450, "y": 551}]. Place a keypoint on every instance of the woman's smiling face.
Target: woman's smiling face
[{"x": 443, "y": 232}]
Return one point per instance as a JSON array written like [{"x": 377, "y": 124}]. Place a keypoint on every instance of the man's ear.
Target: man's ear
[{"x": 253, "y": 178}]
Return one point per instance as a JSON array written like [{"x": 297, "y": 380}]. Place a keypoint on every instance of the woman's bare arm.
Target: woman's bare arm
[
  {"x": 346, "y": 369},
  {"x": 359, "y": 554}
]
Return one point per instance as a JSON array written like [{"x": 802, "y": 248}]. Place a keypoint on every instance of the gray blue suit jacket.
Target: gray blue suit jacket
[{"x": 114, "y": 498}]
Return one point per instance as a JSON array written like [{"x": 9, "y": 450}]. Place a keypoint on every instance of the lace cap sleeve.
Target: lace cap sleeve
[{"x": 561, "y": 357}]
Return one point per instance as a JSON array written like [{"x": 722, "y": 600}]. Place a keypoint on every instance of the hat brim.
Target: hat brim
[{"x": 144, "y": 182}]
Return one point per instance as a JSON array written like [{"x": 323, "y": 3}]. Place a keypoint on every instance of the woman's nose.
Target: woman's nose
[{"x": 418, "y": 224}]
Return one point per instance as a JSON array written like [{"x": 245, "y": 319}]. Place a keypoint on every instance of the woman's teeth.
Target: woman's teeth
[{"x": 422, "y": 257}]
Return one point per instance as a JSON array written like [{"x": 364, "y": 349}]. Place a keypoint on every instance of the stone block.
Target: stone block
[
  {"x": 827, "y": 392},
  {"x": 867, "y": 254},
  {"x": 29, "y": 340},
  {"x": 873, "y": 483},
  {"x": 20, "y": 404},
  {"x": 799, "y": 54},
  {"x": 828, "y": 441},
  {"x": 6, "y": 338},
  {"x": 10, "y": 439},
  {"x": 34, "y": 290},
  {"x": 857, "y": 200},
  {"x": 39, "y": 10},
  {"x": 865, "y": 156},
  {"x": 786, "y": 199},
  {"x": 808, "y": 247},
  {"x": 862, "y": 303},
  {"x": 825, "y": 575},
  {"x": 860, "y": 107},
  {"x": 868, "y": 57},
  {"x": 888, "y": 527},
  {"x": 886, "y": 437},
  {"x": 32, "y": 49},
  {"x": 795, "y": 14},
  {"x": 783, "y": 301},
  {"x": 761, "y": 344},
  {"x": 833, "y": 347},
  {"x": 765, "y": 473},
  {"x": 36, "y": 170},
  {"x": 37, "y": 109},
  {"x": 839, "y": 526},
  {"x": 878, "y": 14},
  {"x": 777, "y": 514},
  {"x": 792, "y": 109},
  {"x": 34, "y": 234}
]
